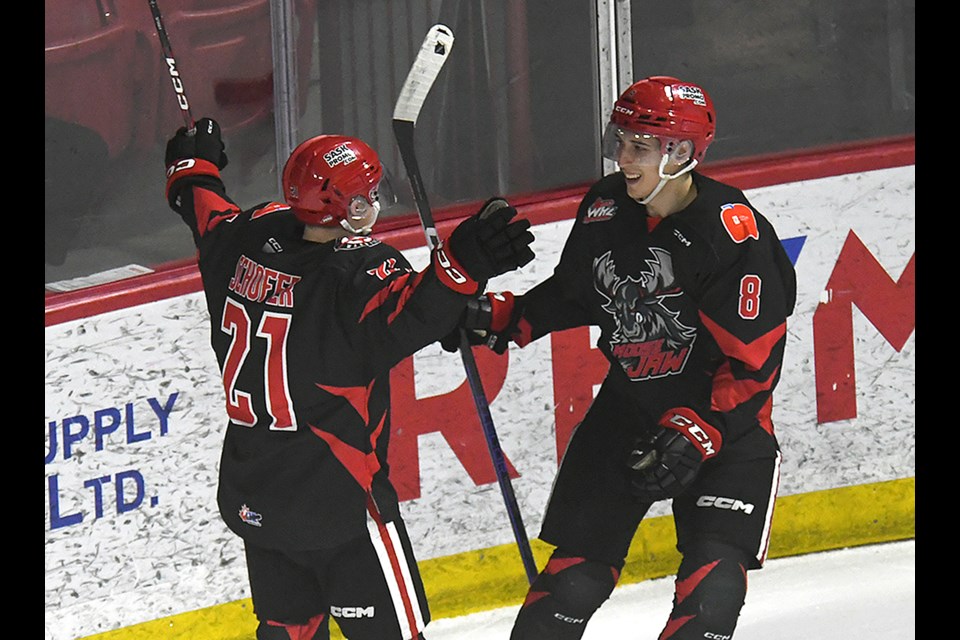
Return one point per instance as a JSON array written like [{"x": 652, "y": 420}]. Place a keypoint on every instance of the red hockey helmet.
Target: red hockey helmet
[
  {"x": 334, "y": 180},
  {"x": 668, "y": 109}
]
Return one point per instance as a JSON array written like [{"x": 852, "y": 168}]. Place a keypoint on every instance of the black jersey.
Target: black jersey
[
  {"x": 692, "y": 308},
  {"x": 305, "y": 335}
]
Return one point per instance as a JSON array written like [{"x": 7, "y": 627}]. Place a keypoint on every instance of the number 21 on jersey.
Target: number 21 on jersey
[{"x": 274, "y": 328}]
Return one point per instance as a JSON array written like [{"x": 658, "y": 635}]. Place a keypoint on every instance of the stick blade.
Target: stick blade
[{"x": 430, "y": 59}]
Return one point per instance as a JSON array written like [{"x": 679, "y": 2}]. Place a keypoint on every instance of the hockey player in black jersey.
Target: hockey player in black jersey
[
  {"x": 308, "y": 313},
  {"x": 691, "y": 289}
]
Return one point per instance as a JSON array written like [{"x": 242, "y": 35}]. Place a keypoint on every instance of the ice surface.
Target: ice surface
[{"x": 860, "y": 592}]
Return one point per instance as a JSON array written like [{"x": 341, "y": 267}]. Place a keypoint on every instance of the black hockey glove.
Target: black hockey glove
[
  {"x": 488, "y": 244},
  {"x": 663, "y": 464},
  {"x": 490, "y": 319},
  {"x": 204, "y": 144}
]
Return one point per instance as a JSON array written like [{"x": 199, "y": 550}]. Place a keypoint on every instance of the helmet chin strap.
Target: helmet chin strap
[{"x": 665, "y": 177}]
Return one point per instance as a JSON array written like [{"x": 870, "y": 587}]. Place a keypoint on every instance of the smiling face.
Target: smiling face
[
  {"x": 646, "y": 160},
  {"x": 638, "y": 156}
]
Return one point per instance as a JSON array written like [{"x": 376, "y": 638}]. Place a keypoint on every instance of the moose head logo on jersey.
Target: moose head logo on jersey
[{"x": 649, "y": 341}]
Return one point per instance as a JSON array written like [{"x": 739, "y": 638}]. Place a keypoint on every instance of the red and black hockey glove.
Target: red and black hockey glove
[
  {"x": 490, "y": 319},
  {"x": 204, "y": 144},
  {"x": 663, "y": 464},
  {"x": 488, "y": 243}
]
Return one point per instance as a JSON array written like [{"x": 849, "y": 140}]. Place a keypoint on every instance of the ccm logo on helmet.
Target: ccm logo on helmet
[
  {"x": 716, "y": 636},
  {"x": 731, "y": 504},
  {"x": 352, "y": 612}
]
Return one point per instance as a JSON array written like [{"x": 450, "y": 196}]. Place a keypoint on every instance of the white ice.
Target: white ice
[{"x": 847, "y": 594}]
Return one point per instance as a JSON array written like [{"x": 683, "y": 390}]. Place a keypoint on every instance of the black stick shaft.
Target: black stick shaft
[
  {"x": 403, "y": 131},
  {"x": 171, "y": 65}
]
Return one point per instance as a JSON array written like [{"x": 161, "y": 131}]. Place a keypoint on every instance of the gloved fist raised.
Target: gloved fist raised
[
  {"x": 663, "y": 464},
  {"x": 204, "y": 144},
  {"x": 488, "y": 244}
]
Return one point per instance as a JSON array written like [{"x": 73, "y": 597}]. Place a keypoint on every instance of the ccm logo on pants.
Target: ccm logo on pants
[
  {"x": 352, "y": 612},
  {"x": 724, "y": 503}
]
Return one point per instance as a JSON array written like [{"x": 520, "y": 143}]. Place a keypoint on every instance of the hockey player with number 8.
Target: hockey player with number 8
[
  {"x": 309, "y": 312},
  {"x": 691, "y": 289}
]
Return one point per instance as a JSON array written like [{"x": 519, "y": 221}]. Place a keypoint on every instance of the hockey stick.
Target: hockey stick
[
  {"x": 171, "y": 63},
  {"x": 426, "y": 67}
]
